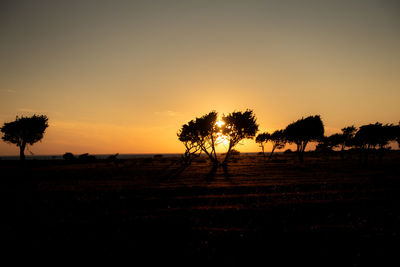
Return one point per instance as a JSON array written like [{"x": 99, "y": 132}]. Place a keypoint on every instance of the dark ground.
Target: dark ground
[{"x": 320, "y": 213}]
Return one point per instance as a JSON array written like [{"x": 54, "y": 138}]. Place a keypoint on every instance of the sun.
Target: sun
[
  {"x": 221, "y": 138},
  {"x": 220, "y": 123}
]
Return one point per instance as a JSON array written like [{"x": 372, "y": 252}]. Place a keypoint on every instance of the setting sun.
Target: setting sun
[
  {"x": 225, "y": 132},
  {"x": 221, "y": 138},
  {"x": 220, "y": 123}
]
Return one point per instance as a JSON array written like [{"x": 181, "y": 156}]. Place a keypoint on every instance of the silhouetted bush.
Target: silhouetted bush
[
  {"x": 288, "y": 151},
  {"x": 113, "y": 157},
  {"x": 86, "y": 157},
  {"x": 69, "y": 156},
  {"x": 235, "y": 152}
]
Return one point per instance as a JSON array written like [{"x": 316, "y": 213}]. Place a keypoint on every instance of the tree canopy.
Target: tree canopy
[
  {"x": 304, "y": 131},
  {"x": 278, "y": 140},
  {"x": 262, "y": 139},
  {"x": 238, "y": 126},
  {"x": 203, "y": 134},
  {"x": 25, "y": 131},
  {"x": 200, "y": 135}
]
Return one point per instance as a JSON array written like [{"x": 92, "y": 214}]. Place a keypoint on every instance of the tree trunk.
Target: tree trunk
[
  {"x": 342, "y": 153},
  {"x": 300, "y": 151},
  {"x": 301, "y": 158},
  {"x": 272, "y": 152},
  {"x": 227, "y": 155},
  {"x": 262, "y": 147},
  {"x": 21, "y": 151},
  {"x": 215, "y": 153},
  {"x": 208, "y": 154}
]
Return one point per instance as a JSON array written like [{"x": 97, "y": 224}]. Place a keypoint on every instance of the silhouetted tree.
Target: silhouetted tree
[
  {"x": 396, "y": 134},
  {"x": 326, "y": 144},
  {"x": 24, "y": 131},
  {"x": 189, "y": 136},
  {"x": 262, "y": 140},
  {"x": 348, "y": 134},
  {"x": 324, "y": 147},
  {"x": 208, "y": 131},
  {"x": 238, "y": 126},
  {"x": 372, "y": 136},
  {"x": 200, "y": 135},
  {"x": 304, "y": 131},
  {"x": 278, "y": 140},
  {"x": 387, "y": 133}
]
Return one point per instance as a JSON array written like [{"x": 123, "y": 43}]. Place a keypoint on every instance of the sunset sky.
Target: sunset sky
[{"x": 123, "y": 76}]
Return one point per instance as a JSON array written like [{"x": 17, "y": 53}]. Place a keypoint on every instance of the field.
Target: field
[{"x": 323, "y": 212}]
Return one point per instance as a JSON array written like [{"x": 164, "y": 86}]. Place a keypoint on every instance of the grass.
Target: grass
[{"x": 321, "y": 212}]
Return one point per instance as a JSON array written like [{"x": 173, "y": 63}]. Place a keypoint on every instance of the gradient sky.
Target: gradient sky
[{"x": 123, "y": 76}]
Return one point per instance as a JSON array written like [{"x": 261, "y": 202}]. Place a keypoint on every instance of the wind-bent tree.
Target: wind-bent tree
[
  {"x": 24, "y": 131},
  {"x": 326, "y": 144},
  {"x": 189, "y": 136},
  {"x": 278, "y": 140},
  {"x": 238, "y": 126},
  {"x": 262, "y": 139},
  {"x": 348, "y": 134},
  {"x": 372, "y": 136},
  {"x": 200, "y": 135},
  {"x": 207, "y": 130},
  {"x": 304, "y": 131}
]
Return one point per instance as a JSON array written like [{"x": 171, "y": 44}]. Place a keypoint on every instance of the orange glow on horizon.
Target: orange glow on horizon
[{"x": 124, "y": 78}]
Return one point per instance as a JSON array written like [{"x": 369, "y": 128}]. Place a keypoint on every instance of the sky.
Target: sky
[{"x": 124, "y": 76}]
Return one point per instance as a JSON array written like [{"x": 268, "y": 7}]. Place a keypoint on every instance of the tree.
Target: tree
[
  {"x": 348, "y": 134},
  {"x": 238, "y": 126},
  {"x": 189, "y": 136},
  {"x": 326, "y": 144},
  {"x": 278, "y": 140},
  {"x": 396, "y": 134},
  {"x": 200, "y": 135},
  {"x": 207, "y": 131},
  {"x": 372, "y": 136},
  {"x": 262, "y": 139},
  {"x": 24, "y": 131},
  {"x": 304, "y": 131}
]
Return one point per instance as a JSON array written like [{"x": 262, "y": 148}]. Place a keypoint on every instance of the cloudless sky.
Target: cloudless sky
[{"x": 123, "y": 76}]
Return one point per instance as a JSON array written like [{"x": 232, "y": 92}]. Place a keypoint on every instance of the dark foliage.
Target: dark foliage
[
  {"x": 86, "y": 157},
  {"x": 328, "y": 143},
  {"x": 262, "y": 139},
  {"x": 304, "y": 131},
  {"x": 396, "y": 131},
  {"x": 278, "y": 140},
  {"x": 69, "y": 156},
  {"x": 207, "y": 130},
  {"x": 238, "y": 126},
  {"x": 348, "y": 134},
  {"x": 198, "y": 136},
  {"x": 24, "y": 131},
  {"x": 374, "y": 136},
  {"x": 188, "y": 135}
]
